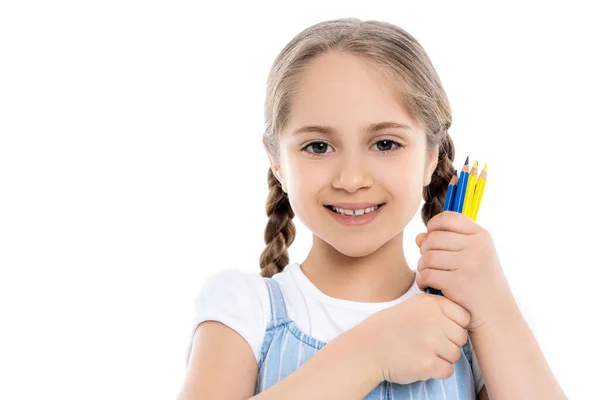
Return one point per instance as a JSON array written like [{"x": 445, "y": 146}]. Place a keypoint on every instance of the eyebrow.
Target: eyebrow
[{"x": 371, "y": 128}]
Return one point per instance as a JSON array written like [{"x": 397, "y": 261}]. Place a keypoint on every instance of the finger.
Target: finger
[
  {"x": 438, "y": 260},
  {"x": 455, "y": 333},
  {"x": 448, "y": 351},
  {"x": 454, "y": 222},
  {"x": 443, "y": 369},
  {"x": 423, "y": 278},
  {"x": 444, "y": 240},
  {"x": 420, "y": 238},
  {"x": 454, "y": 311}
]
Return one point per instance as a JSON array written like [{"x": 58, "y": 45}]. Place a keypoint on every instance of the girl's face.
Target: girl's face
[{"x": 346, "y": 158}]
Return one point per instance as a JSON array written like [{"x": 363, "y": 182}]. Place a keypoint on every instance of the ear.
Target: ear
[
  {"x": 276, "y": 169},
  {"x": 431, "y": 164}
]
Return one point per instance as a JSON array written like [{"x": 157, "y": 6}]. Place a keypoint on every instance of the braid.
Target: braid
[
  {"x": 280, "y": 231},
  {"x": 435, "y": 193}
]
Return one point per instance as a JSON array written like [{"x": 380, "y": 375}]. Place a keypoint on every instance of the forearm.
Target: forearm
[
  {"x": 511, "y": 361},
  {"x": 340, "y": 370}
]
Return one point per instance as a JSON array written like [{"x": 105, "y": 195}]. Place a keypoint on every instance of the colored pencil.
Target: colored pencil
[
  {"x": 479, "y": 192},
  {"x": 461, "y": 188},
  {"x": 451, "y": 191},
  {"x": 472, "y": 206},
  {"x": 473, "y": 193},
  {"x": 470, "y": 190}
]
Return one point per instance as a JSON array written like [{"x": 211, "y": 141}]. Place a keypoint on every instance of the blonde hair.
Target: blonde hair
[{"x": 400, "y": 58}]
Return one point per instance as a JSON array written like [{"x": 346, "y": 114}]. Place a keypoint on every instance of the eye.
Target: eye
[
  {"x": 387, "y": 146},
  {"x": 317, "y": 147}
]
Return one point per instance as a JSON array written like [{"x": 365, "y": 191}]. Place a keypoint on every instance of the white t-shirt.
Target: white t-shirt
[{"x": 240, "y": 300}]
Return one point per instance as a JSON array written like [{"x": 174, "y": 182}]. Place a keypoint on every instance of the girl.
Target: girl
[{"x": 357, "y": 133}]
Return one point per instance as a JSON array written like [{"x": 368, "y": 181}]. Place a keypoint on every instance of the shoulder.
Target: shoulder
[
  {"x": 233, "y": 286},
  {"x": 237, "y": 299}
]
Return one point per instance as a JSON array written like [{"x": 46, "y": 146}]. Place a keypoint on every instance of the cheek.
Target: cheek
[
  {"x": 402, "y": 183},
  {"x": 305, "y": 182}
]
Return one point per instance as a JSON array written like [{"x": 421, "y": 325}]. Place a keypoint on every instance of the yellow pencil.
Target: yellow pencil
[
  {"x": 470, "y": 190},
  {"x": 479, "y": 192},
  {"x": 471, "y": 211}
]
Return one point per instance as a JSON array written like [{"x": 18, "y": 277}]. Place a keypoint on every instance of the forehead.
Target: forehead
[{"x": 343, "y": 90}]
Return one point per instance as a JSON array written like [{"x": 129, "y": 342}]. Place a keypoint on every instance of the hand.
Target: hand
[
  {"x": 459, "y": 258},
  {"x": 416, "y": 340}
]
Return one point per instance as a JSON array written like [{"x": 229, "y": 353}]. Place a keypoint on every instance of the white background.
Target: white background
[{"x": 131, "y": 168}]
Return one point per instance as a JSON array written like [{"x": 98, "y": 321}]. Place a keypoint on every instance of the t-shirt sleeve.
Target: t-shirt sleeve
[
  {"x": 237, "y": 299},
  {"x": 477, "y": 375}
]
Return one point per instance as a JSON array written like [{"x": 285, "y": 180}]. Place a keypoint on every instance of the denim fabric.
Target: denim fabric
[{"x": 285, "y": 348}]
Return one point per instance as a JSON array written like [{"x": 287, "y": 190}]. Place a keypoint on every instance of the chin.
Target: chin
[{"x": 354, "y": 249}]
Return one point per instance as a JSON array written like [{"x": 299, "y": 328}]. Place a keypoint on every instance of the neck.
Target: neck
[{"x": 379, "y": 277}]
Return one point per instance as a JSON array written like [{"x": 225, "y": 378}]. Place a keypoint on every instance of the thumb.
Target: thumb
[{"x": 420, "y": 238}]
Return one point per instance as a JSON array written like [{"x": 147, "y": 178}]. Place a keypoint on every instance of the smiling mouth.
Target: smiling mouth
[{"x": 355, "y": 213}]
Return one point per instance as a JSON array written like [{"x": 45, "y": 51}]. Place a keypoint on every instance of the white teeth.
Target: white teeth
[{"x": 354, "y": 213}]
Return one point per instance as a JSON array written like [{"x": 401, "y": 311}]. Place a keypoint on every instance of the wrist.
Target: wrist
[
  {"x": 363, "y": 342},
  {"x": 500, "y": 315}
]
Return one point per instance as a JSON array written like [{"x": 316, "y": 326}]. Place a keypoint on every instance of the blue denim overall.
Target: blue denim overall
[{"x": 285, "y": 348}]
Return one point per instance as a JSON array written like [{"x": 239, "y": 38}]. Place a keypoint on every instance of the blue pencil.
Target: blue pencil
[
  {"x": 461, "y": 189},
  {"x": 450, "y": 192}
]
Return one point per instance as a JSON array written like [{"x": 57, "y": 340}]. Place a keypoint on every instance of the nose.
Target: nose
[{"x": 352, "y": 174}]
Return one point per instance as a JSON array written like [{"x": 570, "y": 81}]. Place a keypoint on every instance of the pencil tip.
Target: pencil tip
[
  {"x": 475, "y": 165},
  {"x": 485, "y": 167},
  {"x": 455, "y": 172},
  {"x": 467, "y": 161}
]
